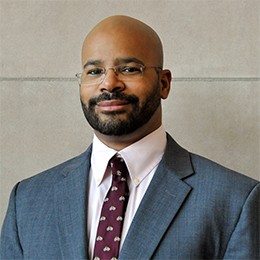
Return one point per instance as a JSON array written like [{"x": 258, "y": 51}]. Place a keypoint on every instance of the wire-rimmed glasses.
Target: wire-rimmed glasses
[{"x": 94, "y": 75}]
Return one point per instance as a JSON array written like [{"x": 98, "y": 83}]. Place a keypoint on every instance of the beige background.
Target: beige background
[{"x": 212, "y": 48}]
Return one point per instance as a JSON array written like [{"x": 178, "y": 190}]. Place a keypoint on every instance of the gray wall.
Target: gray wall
[{"x": 212, "y": 48}]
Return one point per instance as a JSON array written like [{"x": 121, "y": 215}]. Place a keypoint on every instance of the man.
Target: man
[{"x": 180, "y": 205}]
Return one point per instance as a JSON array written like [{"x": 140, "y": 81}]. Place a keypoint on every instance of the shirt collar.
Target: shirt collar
[
  {"x": 101, "y": 154},
  {"x": 140, "y": 157}
]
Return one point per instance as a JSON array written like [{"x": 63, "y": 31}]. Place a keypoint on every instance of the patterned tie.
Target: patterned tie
[{"x": 112, "y": 213}]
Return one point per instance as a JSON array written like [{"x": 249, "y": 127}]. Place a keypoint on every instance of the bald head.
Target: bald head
[{"x": 130, "y": 37}]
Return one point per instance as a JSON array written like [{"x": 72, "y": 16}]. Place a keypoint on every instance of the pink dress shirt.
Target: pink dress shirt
[{"x": 142, "y": 159}]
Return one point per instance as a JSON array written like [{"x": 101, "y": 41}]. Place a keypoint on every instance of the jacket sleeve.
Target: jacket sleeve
[
  {"x": 10, "y": 247},
  {"x": 244, "y": 242}
]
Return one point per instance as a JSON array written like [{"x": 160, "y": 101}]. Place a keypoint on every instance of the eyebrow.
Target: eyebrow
[
  {"x": 93, "y": 63},
  {"x": 117, "y": 61},
  {"x": 128, "y": 60}
]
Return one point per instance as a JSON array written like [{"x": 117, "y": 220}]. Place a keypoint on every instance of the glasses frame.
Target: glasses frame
[{"x": 115, "y": 70}]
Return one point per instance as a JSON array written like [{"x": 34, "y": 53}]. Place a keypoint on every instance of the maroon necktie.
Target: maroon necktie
[{"x": 113, "y": 211}]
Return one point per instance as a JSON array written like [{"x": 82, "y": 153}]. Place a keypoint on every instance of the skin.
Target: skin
[{"x": 110, "y": 41}]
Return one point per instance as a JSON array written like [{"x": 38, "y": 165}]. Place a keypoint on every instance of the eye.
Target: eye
[
  {"x": 133, "y": 69},
  {"x": 94, "y": 71}
]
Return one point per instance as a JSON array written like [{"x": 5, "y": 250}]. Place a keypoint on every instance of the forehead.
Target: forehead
[{"x": 111, "y": 44}]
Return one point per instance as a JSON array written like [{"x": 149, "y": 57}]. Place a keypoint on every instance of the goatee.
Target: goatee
[{"x": 137, "y": 117}]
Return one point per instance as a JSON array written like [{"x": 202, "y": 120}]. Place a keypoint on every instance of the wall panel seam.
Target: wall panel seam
[{"x": 176, "y": 79}]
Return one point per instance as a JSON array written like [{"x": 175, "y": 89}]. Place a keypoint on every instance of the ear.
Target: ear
[{"x": 165, "y": 83}]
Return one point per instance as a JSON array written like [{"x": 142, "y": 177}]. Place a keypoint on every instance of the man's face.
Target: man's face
[{"x": 118, "y": 107}]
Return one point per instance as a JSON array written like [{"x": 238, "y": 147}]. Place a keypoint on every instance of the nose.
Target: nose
[{"x": 111, "y": 83}]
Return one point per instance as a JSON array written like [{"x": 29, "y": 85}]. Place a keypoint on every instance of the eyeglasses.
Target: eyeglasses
[{"x": 94, "y": 75}]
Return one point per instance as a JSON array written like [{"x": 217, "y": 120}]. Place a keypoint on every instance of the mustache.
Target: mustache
[{"x": 113, "y": 96}]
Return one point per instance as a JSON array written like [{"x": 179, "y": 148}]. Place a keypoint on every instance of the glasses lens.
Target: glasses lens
[
  {"x": 130, "y": 71},
  {"x": 92, "y": 75}
]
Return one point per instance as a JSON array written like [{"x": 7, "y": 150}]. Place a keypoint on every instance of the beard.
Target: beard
[{"x": 114, "y": 125}]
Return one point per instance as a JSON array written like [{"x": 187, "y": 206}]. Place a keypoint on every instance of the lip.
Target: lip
[{"x": 112, "y": 105}]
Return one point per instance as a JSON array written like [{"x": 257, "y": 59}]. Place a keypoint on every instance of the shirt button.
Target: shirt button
[{"x": 136, "y": 181}]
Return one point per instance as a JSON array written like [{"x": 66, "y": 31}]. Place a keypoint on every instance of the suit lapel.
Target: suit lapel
[
  {"x": 71, "y": 208},
  {"x": 164, "y": 197}
]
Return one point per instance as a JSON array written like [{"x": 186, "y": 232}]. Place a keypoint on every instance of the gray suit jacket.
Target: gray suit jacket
[{"x": 193, "y": 209}]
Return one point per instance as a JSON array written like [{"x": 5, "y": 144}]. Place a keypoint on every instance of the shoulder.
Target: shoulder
[
  {"x": 217, "y": 185},
  {"x": 49, "y": 178},
  {"x": 205, "y": 175},
  {"x": 210, "y": 170}
]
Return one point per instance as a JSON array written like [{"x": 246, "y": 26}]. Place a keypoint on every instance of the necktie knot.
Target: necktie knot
[{"x": 118, "y": 168}]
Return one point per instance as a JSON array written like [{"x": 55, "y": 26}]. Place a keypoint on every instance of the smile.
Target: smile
[{"x": 112, "y": 105}]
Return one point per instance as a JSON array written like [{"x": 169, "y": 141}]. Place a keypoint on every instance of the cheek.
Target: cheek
[
  {"x": 85, "y": 94},
  {"x": 141, "y": 88},
  {"x": 148, "y": 90}
]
